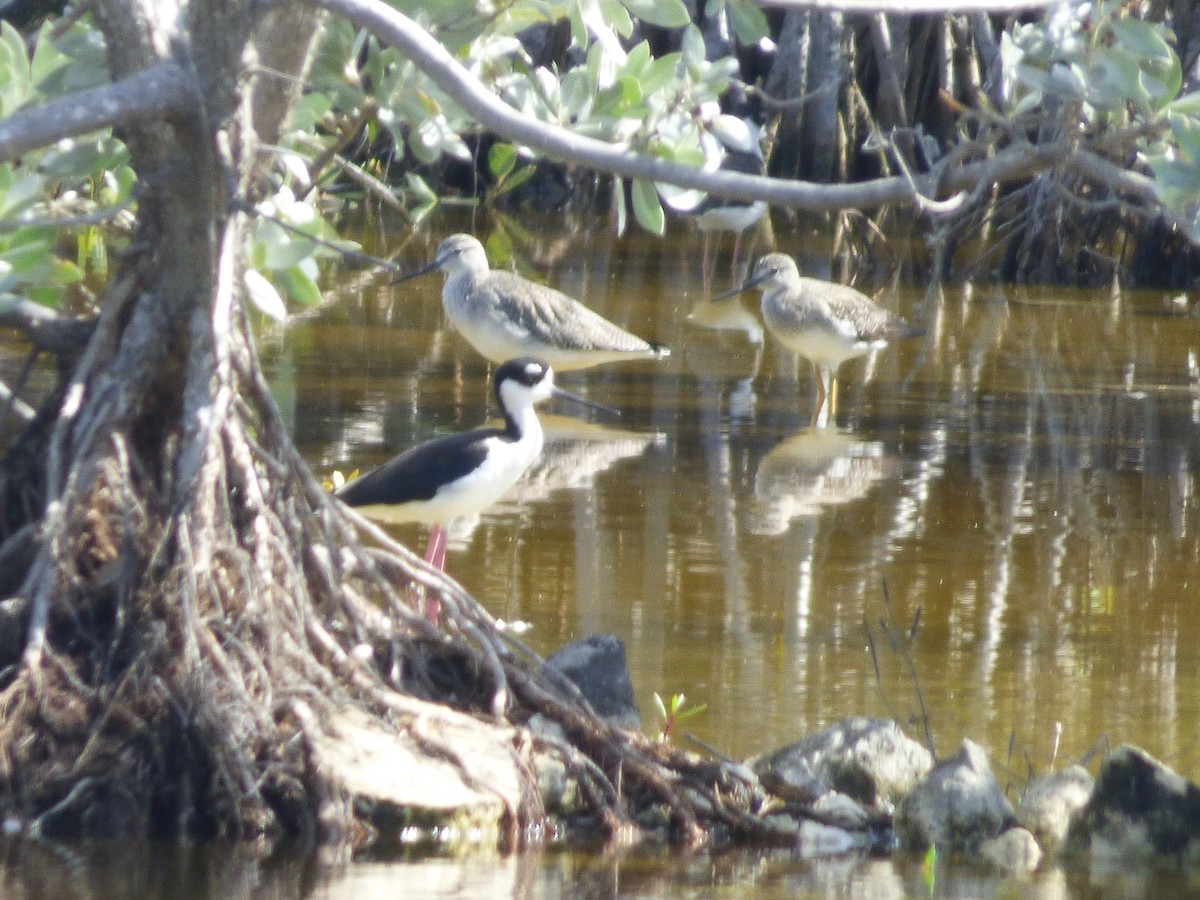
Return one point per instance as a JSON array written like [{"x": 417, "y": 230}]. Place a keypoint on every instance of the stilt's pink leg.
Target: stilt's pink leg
[
  {"x": 435, "y": 555},
  {"x": 435, "y": 551},
  {"x": 705, "y": 277}
]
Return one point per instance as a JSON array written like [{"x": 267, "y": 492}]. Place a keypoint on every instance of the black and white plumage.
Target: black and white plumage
[
  {"x": 825, "y": 322},
  {"x": 462, "y": 474},
  {"x": 503, "y": 315},
  {"x": 740, "y": 143}
]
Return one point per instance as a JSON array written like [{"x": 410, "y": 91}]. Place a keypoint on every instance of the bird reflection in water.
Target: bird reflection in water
[
  {"x": 812, "y": 469},
  {"x": 725, "y": 317}
]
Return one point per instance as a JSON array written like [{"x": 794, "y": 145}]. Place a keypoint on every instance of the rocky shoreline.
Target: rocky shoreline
[{"x": 863, "y": 784}]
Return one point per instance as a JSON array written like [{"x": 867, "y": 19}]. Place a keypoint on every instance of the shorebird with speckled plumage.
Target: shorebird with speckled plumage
[
  {"x": 825, "y": 322},
  {"x": 504, "y": 316}
]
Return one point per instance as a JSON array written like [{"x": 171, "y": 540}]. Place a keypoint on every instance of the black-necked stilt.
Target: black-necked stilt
[
  {"x": 825, "y": 322},
  {"x": 503, "y": 315},
  {"x": 741, "y": 151},
  {"x": 462, "y": 474}
]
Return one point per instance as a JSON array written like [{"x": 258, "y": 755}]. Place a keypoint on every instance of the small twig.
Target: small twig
[
  {"x": 347, "y": 132},
  {"x": 14, "y": 406},
  {"x": 99, "y": 217},
  {"x": 356, "y": 256}
]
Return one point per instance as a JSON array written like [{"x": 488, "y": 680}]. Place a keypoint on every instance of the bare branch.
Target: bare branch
[
  {"x": 163, "y": 91},
  {"x": 45, "y": 328},
  {"x": 436, "y": 62}
]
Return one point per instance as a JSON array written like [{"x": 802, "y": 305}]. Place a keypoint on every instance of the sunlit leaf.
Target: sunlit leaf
[
  {"x": 264, "y": 296},
  {"x": 15, "y": 76},
  {"x": 929, "y": 868},
  {"x": 638, "y": 58},
  {"x": 660, "y": 72},
  {"x": 646, "y": 206},
  {"x": 663, "y": 13},
  {"x": 693, "y": 49},
  {"x": 1187, "y": 105}
]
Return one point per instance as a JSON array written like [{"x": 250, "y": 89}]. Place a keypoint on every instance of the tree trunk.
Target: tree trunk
[{"x": 201, "y": 644}]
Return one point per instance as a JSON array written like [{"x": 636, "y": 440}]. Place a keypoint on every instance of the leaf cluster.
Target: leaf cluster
[
  {"x": 1110, "y": 71},
  {"x": 86, "y": 182}
]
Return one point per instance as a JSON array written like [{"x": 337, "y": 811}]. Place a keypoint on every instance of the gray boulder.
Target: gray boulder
[
  {"x": 1138, "y": 809},
  {"x": 1051, "y": 802},
  {"x": 596, "y": 665},
  {"x": 1014, "y": 851},
  {"x": 958, "y": 806},
  {"x": 869, "y": 760}
]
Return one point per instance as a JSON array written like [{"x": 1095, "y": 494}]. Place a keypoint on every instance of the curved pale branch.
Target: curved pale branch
[
  {"x": 162, "y": 91},
  {"x": 398, "y": 30}
]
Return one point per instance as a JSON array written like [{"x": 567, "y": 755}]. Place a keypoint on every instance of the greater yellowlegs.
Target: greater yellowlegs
[
  {"x": 825, "y": 322},
  {"x": 462, "y": 474},
  {"x": 503, "y": 315}
]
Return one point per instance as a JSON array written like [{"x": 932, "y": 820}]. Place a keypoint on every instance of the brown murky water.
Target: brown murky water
[{"x": 1024, "y": 478}]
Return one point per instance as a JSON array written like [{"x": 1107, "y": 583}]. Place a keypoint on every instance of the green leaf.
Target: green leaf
[
  {"x": 418, "y": 187},
  {"x": 47, "y": 58},
  {"x": 638, "y": 57},
  {"x": 660, "y": 72},
  {"x": 748, "y": 21},
  {"x": 300, "y": 286},
  {"x": 693, "y": 49},
  {"x": 502, "y": 159},
  {"x": 15, "y": 75},
  {"x": 1187, "y": 105},
  {"x": 663, "y": 13},
  {"x": 646, "y": 207},
  {"x": 84, "y": 48},
  {"x": 614, "y": 14},
  {"x": 1143, "y": 39},
  {"x": 518, "y": 178},
  {"x": 264, "y": 296}
]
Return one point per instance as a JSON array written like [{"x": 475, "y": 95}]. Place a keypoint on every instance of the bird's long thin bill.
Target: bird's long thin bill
[
  {"x": 728, "y": 294},
  {"x": 748, "y": 285},
  {"x": 567, "y": 395},
  {"x": 414, "y": 274}
]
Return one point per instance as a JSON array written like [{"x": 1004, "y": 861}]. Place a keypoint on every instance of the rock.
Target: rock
[
  {"x": 957, "y": 807},
  {"x": 815, "y": 839},
  {"x": 1014, "y": 851},
  {"x": 596, "y": 665},
  {"x": 1138, "y": 809},
  {"x": 1050, "y": 803},
  {"x": 410, "y": 774},
  {"x": 869, "y": 760},
  {"x": 833, "y": 808}
]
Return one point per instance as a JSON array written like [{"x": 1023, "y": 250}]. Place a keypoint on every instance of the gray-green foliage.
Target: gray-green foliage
[
  {"x": 663, "y": 106},
  {"x": 70, "y": 179},
  {"x": 1089, "y": 66},
  {"x": 1109, "y": 71}
]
